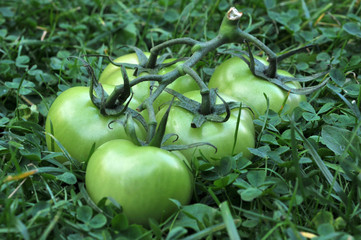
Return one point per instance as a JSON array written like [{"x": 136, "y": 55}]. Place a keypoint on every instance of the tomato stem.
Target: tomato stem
[
  {"x": 156, "y": 49},
  {"x": 206, "y": 104}
]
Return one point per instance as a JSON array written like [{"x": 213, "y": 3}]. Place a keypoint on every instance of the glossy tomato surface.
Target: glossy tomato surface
[
  {"x": 140, "y": 179},
  {"x": 220, "y": 135},
  {"x": 77, "y": 124},
  {"x": 234, "y": 78}
]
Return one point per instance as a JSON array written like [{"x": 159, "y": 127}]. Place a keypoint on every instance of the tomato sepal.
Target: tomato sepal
[
  {"x": 157, "y": 139},
  {"x": 160, "y": 137},
  {"x": 259, "y": 69},
  {"x": 110, "y": 105},
  {"x": 217, "y": 110},
  {"x": 129, "y": 126}
]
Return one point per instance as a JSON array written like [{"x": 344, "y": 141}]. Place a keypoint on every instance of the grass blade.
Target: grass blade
[{"x": 228, "y": 220}]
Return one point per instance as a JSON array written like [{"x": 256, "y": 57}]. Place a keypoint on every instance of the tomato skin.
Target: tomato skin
[
  {"x": 140, "y": 179},
  {"x": 77, "y": 124},
  {"x": 113, "y": 76},
  {"x": 234, "y": 78},
  {"x": 220, "y": 135}
]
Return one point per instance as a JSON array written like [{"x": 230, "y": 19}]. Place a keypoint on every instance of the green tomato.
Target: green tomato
[
  {"x": 234, "y": 78},
  {"x": 113, "y": 76},
  {"x": 77, "y": 124},
  {"x": 141, "y": 179},
  {"x": 220, "y": 135}
]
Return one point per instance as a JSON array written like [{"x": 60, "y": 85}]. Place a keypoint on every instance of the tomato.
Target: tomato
[
  {"x": 77, "y": 124},
  {"x": 113, "y": 76},
  {"x": 234, "y": 78},
  {"x": 141, "y": 179},
  {"x": 220, "y": 135}
]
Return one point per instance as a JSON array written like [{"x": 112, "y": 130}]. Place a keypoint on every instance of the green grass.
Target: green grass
[{"x": 304, "y": 177}]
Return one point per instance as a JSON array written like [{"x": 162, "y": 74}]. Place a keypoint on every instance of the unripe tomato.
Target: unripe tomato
[
  {"x": 221, "y": 135},
  {"x": 234, "y": 78},
  {"x": 141, "y": 179},
  {"x": 77, "y": 124}
]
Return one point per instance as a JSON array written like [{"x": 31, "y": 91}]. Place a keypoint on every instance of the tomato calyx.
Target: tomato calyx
[
  {"x": 113, "y": 104},
  {"x": 108, "y": 105},
  {"x": 215, "y": 111},
  {"x": 160, "y": 138},
  {"x": 116, "y": 103},
  {"x": 260, "y": 70}
]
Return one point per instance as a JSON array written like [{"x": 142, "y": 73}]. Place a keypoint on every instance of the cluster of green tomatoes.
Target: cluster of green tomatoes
[{"x": 145, "y": 180}]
